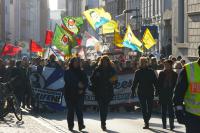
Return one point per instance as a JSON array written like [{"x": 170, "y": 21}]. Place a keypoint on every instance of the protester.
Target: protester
[
  {"x": 161, "y": 64},
  {"x": 76, "y": 83},
  {"x": 174, "y": 60},
  {"x": 166, "y": 84},
  {"x": 102, "y": 79},
  {"x": 187, "y": 96},
  {"x": 153, "y": 63},
  {"x": 2, "y": 71},
  {"x": 52, "y": 62},
  {"x": 11, "y": 70},
  {"x": 183, "y": 62},
  {"x": 146, "y": 81},
  {"x": 24, "y": 70},
  {"x": 178, "y": 66},
  {"x": 19, "y": 75},
  {"x": 179, "y": 58}
]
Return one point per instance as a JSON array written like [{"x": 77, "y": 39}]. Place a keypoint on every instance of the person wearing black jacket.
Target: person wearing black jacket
[
  {"x": 76, "y": 83},
  {"x": 166, "y": 84},
  {"x": 145, "y": 81},
  {"x": 102, "y": 79},
  {"x": 184, "y": 113}
]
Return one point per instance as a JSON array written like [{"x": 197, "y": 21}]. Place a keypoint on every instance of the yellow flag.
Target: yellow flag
[
  {"x": 97, "y": 17},
  {"x": 118, "y": 40},
  {"x": 148, "y": 39},
  {"x": 109, "y": 27},
  {"x": 131, "y": 41}
]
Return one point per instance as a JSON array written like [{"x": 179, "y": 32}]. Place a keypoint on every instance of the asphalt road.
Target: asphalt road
[{"x": 123, "y": 122}]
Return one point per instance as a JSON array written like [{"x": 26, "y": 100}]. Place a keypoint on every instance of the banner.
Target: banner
[
  {"x": 54, "y": 98},
  {"x": 54, "y": 78},
  {"x": 49, "y": 96},
  {"x": 47, "y": 87},
  {"x": 122, "y": 91}
]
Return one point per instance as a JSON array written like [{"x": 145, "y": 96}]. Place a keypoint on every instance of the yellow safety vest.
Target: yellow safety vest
[{"x": 192, "y": 97}]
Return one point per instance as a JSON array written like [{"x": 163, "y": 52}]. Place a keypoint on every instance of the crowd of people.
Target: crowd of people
[{"x": 151, "y": 78}]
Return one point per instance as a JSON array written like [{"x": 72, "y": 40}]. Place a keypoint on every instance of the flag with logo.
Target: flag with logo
[
  {"x": 73, "y": 24},
  {"x": 148, "y": 39},
  {"x": 97, "y": 17},
  {"x": 63, "y": 40},
  {"x": 10, "y": 49},
  {"x": 130, "y": 41},
  {"x": 35, "y": 47},
  {"x": 110, "y": 27}
]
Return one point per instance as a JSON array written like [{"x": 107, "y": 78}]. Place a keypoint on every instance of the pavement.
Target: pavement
[{"x": 118, "y": 122}]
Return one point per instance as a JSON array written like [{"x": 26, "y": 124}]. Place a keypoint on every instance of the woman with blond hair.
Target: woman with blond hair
[
  {"x": 145, "y": 82},
  {"x": 102, "y": 79}
]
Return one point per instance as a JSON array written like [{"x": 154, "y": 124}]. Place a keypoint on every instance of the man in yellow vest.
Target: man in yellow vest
[{"x": 187, "y": 97}]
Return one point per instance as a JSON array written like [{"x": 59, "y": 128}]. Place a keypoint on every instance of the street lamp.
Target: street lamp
[{"x": 127, "y": 11}]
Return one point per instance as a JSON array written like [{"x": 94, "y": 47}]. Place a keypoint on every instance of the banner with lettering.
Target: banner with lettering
[{"x": 122, "y": 92}]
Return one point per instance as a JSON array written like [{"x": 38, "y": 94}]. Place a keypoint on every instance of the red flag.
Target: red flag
[
  {"x": 78, "y": 40},
  {"x": 34, "y": 47},
  {"x": 49, "y": 37},
  {"x": 10, "y": 49}
]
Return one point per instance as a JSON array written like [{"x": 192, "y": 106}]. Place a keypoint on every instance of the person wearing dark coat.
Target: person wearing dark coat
[
  {"x": 76, "y": 83},
  {"x": 145, "y": 81},
  {"x": 16, "y": 72},
  {"x": 166, "y": 84},
  {"x": 52, "y": 62},
  {"x": 2, "y": 71},
  {"x": 102, "y": 79}
]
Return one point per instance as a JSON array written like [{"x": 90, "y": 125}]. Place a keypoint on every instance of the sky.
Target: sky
[{"x": 53, "y": 4}]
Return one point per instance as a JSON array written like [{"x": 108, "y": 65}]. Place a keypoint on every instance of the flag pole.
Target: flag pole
[
  {"x": 30, "y": 49},
  {"x": 49, "y": 51},
  {"x": 85, "y": 54},
  {"x": 100, "y": 36}
]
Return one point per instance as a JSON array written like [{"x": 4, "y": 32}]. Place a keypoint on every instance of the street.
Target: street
[{"x": 123, "y": 122}]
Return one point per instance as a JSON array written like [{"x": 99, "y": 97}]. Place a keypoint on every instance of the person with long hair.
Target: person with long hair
[
  {"x": 102, "y": 79},
  {"x": 76, "y": 83}
]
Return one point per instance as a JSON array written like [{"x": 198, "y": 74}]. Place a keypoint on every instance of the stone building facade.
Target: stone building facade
[{"x": 186, "y": 37}]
